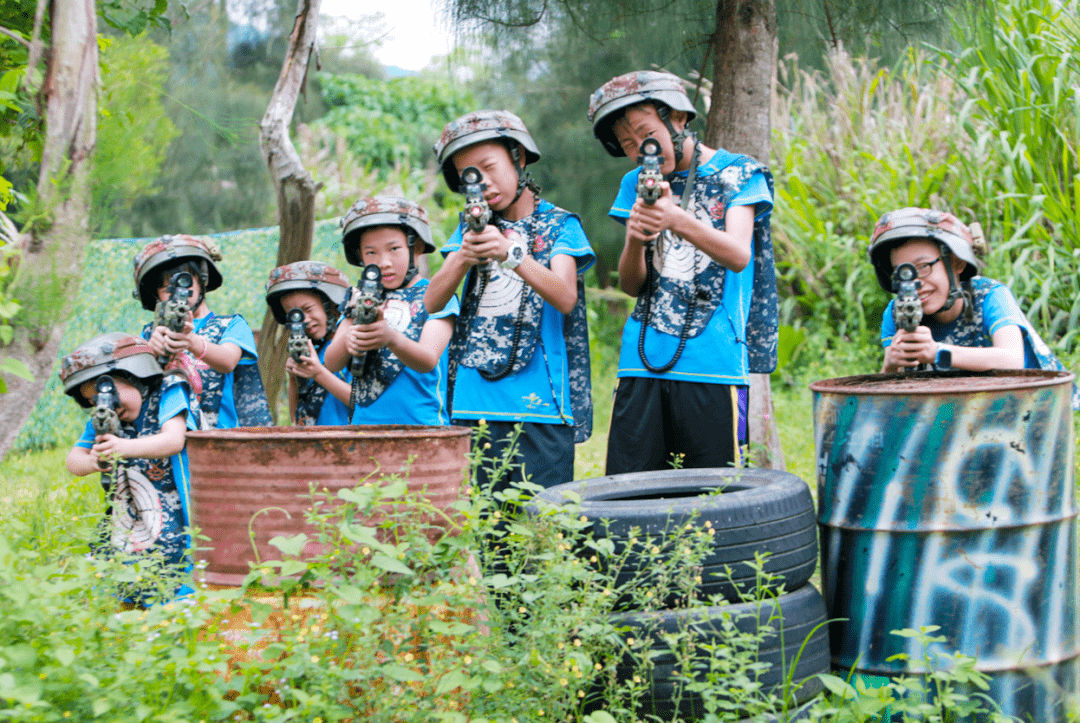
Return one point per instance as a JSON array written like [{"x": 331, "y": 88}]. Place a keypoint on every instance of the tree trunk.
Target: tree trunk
[
  {"x": 744, "y": 49},
  {"x": 55, "y": 239},
  {"x": 293, "y": 185}
]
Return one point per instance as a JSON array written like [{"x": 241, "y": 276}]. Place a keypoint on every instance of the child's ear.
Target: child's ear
[{"x": 678, "y": 119}]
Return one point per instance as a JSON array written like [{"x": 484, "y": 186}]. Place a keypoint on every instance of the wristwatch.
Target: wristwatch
[
  {"x": 943, "y": 359},
  {"x": 514, "y": 256}
]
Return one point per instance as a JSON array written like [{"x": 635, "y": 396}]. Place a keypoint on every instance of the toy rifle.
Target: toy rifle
[
  {"x": 649, "y": 178},
  {"x": 172, "y": 313},
  {"x": 907, "y": 309},
  {"x": 477, "y": 211},
  {"x": 298, "y": 340},
  {"x": 104, "y": 418},
  {"x": 366, "y": 311}
]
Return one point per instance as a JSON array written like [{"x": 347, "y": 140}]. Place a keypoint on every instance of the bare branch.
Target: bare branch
[
  {"x": 15, "y": 36},
  {"x": 35, "y": 43}
]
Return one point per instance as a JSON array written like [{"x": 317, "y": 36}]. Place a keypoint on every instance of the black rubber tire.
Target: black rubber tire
[
  {"x": 800, "y": 612},
  {"x": 759, "y": 510}
]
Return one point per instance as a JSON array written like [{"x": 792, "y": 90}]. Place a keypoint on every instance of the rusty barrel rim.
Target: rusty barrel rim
[
  {"x": 352, "y": 431},
  {"x": 941, "y": 383}
]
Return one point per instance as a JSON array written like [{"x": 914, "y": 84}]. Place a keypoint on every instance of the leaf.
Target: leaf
[
  {"x": 453, "y": 679},
  {"x": 16, "y": 367},
  {"x": 290, "y": 545},
  {"x": 599, "y": 716},
  {"x": 64, "y": 655},
  {"x": 389, "y": 564},
  {"x": 402, "y": 674},
  {"x": 838, "y": 686}
]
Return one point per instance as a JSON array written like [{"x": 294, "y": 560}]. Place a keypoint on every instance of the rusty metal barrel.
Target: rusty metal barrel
[
  {"x": 260, "y": 478},
  {"x": 949, "y": 500}
]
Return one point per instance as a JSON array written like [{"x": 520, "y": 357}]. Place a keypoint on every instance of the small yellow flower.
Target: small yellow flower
[
  {"x": 637, "y": 678},
  {"x": 43, "y": 676},
  {"x": 564, "y": 682},
  {"x": 560, "y": 645},
  {"x": 577, "y": 642},
  {"x": 67, "y": 713},
  {"x": 581, "y": 694},
  {"x": 317, "y": 720},
  {"x": 314, "y": 658},
  {"x": 522, "y": 609}
]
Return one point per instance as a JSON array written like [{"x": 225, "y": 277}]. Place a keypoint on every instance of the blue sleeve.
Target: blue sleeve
[
  {"x": 452, "y": 308},
  {"x": 452, "y": 244},
  {"x": 174, "y": 401},
  {"x": 755, "y": 193},
  {"x": 572, "y": 242},
  {"x": 888, "y": 325},
  {"x": 620, "y": 209},
  {"x": 86, "y": 441},
  {"x": 239, "y": 333},
  {"x": 147, "y": 331},
  {"x": 1000, "y": 309}
]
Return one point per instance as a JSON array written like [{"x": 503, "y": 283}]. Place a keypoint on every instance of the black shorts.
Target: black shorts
[
  {"x": 545, "y": 454},
  {"x": 655, "y": 419}
]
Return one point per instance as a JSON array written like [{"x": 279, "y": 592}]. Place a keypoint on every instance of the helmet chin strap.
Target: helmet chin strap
[
  {"x": 525, "y": 179},
  {"x": 678, "y": 139},
  {"x": 954, "y": 286}
]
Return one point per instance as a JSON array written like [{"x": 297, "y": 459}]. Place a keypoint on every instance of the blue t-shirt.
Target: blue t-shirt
[
  {"x": 333, "y": 411},
  {"x": 999, "y": 309},
  {"x": 413, "y": 397},
  {"x": 540, "y": 392},
  {"x": 718, "y": 354},
  {"x": 238, "y": 332}
]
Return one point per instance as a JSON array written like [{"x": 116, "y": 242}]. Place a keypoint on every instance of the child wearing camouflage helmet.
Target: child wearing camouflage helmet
[
  {"x": 403, "y": 377},
  {"x": 317, "y": 396},
  {"x": 147, "y": 490},
  {"x": 969, "y": 321},
  {"x": 222, "y": 347},
  {"x": 520, "y": 352},
  {"x": 700, "y": 262}
]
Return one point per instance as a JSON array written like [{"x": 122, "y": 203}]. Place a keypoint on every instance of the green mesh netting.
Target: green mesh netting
[{"x": 105, "y": 304}]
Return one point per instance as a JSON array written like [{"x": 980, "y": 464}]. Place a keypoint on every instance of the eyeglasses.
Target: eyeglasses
[{"x": 924, "y": 268}]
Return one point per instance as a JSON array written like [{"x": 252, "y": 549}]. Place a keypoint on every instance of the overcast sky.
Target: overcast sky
[{"x": 416, "y": 37}]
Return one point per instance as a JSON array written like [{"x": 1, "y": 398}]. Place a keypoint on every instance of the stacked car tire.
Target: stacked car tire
[{"x": 751, "y": 512}]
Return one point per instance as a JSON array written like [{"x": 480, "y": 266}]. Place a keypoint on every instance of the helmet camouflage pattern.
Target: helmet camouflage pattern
[
  {"x": 629, "y": 89},
  {"x": 476, "y": 127},
  {"x": 171, "y": 250},
  {"x": 897, "y": 227},
  {"x": 383, "y": 211},
  {"x": 304, "y": 276},
  {"x": 105, "y": 354}
]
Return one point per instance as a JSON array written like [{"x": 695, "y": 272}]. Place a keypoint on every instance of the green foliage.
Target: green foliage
[
  {"x": 394, "y": 621},
  {"x": 951, "y": 690},
  {"x": 1020, "y": 67},
  {"x": 387, "y": 124},
  {"x": 134, "y": 17},
  {"x": 134, "y": 133}
]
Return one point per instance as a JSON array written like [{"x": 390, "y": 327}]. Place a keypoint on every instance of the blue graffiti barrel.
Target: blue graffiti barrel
[{"x": 949, "y": 500}]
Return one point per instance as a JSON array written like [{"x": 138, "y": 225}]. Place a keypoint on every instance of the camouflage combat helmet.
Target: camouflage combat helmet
[
  {"x": 384, "y": 211},
  {"x": 626, "y": 90},
  {"x": 171, "y": 250},
  {"x": 107, "y": 354},
  {"x": 304, "y": 276},
  {"x": 482, "y": 125},
  {"x": 952, "y": 235}
]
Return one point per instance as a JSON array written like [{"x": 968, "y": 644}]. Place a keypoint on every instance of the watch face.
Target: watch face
[{"x": 517, "y": 253}]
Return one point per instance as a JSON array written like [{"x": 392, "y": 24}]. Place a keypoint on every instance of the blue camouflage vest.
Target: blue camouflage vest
[
  {"x": 403, "y": 310},
  {"x": 310, "y": 395},
  {"x": 501, "y": 328},
  {"x": 146, "y": 503},
  {"x": 686, "y": 274},
  {"x": 970, "y": 331}
]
